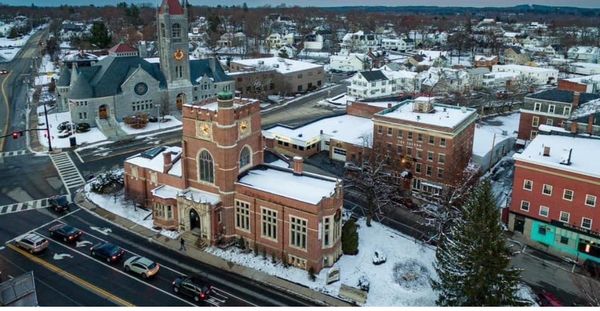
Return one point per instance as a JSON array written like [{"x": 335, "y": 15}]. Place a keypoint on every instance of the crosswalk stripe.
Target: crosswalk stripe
[
  {"x": 15, "y": 153},
  {"x": 68, "y": 172},
  {"x": 24, "y": 206}
]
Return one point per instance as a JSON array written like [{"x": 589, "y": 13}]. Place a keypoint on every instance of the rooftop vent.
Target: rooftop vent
[
  {"x": 566, "y": 158},
  {"x": 546, "y": 151}
]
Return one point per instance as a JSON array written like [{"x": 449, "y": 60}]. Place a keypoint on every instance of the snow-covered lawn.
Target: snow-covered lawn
[
  {"x": 404, "y": 280},
  {"x": 117, "y": 204},
  {"x": 10, "y": 47},
  {"x": 47, "y": 66},
  {"x": 55, "y": 119},
  {"x": 153, "y": 126},
  {"x": 7, "y": 54}
]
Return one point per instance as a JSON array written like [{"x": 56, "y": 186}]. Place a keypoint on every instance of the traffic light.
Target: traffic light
[{"x": 17, "y": 134}]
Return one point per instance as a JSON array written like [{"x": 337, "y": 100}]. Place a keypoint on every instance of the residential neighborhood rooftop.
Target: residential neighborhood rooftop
[
  {"x": 441, "y": 115},
  {"x": 281, "y": 65}
]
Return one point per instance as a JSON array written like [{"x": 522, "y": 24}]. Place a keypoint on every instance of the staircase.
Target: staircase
[
  {"x": 110, "y": 128},
  {"x": 193, "y": 239}
]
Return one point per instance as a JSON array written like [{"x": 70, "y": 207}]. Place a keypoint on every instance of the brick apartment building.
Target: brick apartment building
[
  {"x": 550, "y": 107},
  {"x": 289, "y": 76},
  {"x": 555, "y": 195},
  {"x": 216, "y": 188},
  {"x": 585, "y": 84},
  {"x": 433, "y": 142},
  {"x": 430, "y": 141}
]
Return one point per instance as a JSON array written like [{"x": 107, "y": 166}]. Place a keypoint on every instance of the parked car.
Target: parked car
[
  {"x": 107, "y": 251},
  {"x": 194, "y": 287},
  {"x": 32, "y": 243},
  {"x": 592, "y": 267},
  {"x": 152, "y": 119},
  {"x": 65, "y": 232},
  {"x": 3, "y": 71},
  {"x": 64, "y": 134},
  {"x": 83, "y": 127},
  {"x": 63, "y": 126},
  {"x": 142, "y": 266},
  {"x": 59, "y": 203},
  {"x": 547, "y": 299}
]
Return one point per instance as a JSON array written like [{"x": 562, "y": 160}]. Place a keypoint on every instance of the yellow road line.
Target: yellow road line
[
  {"x": 7, "y": 110},
  {"x": 72, "y": 278}
]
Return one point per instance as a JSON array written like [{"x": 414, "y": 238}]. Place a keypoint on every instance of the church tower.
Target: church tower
[{"x": 173, "y": 51}]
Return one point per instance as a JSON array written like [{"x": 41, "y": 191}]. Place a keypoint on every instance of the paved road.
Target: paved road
[
  {"x": 69, "y": 268},
  {"x": 13, "y": 88}
]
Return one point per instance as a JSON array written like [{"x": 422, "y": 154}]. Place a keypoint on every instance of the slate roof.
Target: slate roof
[
  {"x": 64, "y": 77},
  {"x": 80, "y": 88},
  {"x": 175, "y": 7},
  {"x": 201, "y": 67},
  {"x": 376, "y": 75},
  {"x": 562, "y": 96}
]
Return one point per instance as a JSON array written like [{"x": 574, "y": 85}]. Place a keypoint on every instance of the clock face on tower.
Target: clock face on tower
[
  {"x": 244, "y": 128},
  {"x": 179, "y": 54},
  {"x": 203, "y": 130}
]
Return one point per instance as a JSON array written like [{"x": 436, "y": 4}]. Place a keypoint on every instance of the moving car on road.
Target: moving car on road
[
  {"x": 65, "y": 233},
  {"x": 194, "y": 287},
  {"x": 107, "y": 251},
  {"x": 142, "y": 266},
  {"x": 32, "y": 243},
  {"x": 3, "y": 71},
  {"x": 59, "y": 203}
]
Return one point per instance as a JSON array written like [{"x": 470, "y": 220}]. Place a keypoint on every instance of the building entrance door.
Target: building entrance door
[{"x": 194, "y": 219}]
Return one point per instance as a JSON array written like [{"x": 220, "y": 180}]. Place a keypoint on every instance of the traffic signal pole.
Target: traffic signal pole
[{"x": 47, "y": 129}]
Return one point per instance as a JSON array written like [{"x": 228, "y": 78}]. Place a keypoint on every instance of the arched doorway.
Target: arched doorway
[
  {"x": 194, "y": 219},
  {"x": 180, "y": 100},
  {"x": 103, "y": 112}
]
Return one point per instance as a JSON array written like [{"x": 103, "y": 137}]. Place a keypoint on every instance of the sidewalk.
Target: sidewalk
[{"x": 195, "y": 253}]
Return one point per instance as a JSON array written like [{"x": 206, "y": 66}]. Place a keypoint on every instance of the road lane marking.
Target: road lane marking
[
  {"x": 5, "y": 131},
  {"x": 98, "y": 291},
  {"x": 43, "y": 225},
  {"x": 67, "y": 171},
  {"x": 94, "y": 259}
]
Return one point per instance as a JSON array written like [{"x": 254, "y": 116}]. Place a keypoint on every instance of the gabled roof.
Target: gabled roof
[
  {"x": 562, "y": 96},
  {"x": 375, "y": 75},
  {"x": 175, "y": 7},
  {"x": 120, "y": 48}
]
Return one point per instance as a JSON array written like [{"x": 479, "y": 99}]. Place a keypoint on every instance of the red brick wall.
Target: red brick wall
[
  {"x": 559, "y": 180},
  {"x": 525, "y": 123},
  {"x": 362, "y": 109},
  {"x": 572, "y": 86}
]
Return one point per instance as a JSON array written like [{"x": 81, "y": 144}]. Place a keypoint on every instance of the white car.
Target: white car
[{"x": 142, "y": 266}]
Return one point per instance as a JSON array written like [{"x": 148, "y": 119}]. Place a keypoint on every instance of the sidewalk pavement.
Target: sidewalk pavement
[{"x": 195, "y": 253}]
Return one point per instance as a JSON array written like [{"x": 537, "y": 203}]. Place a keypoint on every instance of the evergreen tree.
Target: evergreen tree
[
  {"x": 100, "y": 36},
  {"x": 473, "y": 260}
]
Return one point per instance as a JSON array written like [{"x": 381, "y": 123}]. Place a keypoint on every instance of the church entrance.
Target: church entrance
[
  {"x": 180, "y": 100},
  {"x": 194, "y": 220},
  {"x": 103, "y": 112}
]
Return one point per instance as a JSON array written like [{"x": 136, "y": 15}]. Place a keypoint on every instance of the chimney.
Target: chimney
[
  {"x": 298, "y": 165},
  {"x": 167, "y": 161},
  {"x": 546, "y": 151},
  {"x": 576, "y": 96}
]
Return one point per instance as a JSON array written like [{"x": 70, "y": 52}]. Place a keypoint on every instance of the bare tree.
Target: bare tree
[{"x": 589, "y": 288}]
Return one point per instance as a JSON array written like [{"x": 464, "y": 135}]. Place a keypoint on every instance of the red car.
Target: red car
[{"x": 548, "y": 299}]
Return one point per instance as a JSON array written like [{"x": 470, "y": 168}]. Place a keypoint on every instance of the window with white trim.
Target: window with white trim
[
  {"x": 535, "y": 121},
  {"x": 547, "y": 189},
  {"x": 590, "y": 200},
  {"x": 537, "y": 106},
  {"x": 564, "y": 216},
  {"x": 566, "y": 111},
  {"x": 551, "y": 108},
  {"x": 298, "y": 232},
  {"x": 525, "y": 206},
  {"x": 527, "y": 184},
  {"x": 242, "y": 215},
  {"x": 568, "y": 195},
  {"x": 269, "y": 223},
  {"x": 586, "y": 223},
  {"x": 544, "y": 211}
]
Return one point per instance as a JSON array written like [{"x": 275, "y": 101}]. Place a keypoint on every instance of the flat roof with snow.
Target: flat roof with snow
[
  {"x": 282, "y": 65},
  {"x": 503, "y": 127},
  {"x": 345, "y": 128},
  {"x": 441, "y": 115},
  {"x": 583, "y": 156},
  {"x": 307, "y": 188}
]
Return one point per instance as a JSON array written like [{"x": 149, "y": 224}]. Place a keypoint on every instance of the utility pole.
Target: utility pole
[
  {"x": 492, "y": 151},
  {"x": 47, "y": 129}
]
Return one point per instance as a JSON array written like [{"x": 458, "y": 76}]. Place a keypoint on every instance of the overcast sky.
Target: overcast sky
[{"x": 475, "y": 3}]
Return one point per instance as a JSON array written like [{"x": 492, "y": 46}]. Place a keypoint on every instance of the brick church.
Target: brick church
[{"x": 217, "y": 188}]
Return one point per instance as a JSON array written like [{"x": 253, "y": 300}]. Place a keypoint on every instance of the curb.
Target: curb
[{"x": 254, "y": 275}]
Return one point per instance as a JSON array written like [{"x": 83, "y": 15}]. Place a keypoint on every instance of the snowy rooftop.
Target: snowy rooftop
[
  {"x": 200, "y": 196},
  {"x": 442, "y": 115},
  {"x": 307, "y": 188},
  {"x": 585, "y": 79},
  {"x": 503, "y": 127},
  {"x": 586, "y": 109},
  {"x": 521, "y": 68},
  {"x": 400, "y": 74},
  {"x": 155, "y": 163},
  {"x": 166, "y": 192},
  {"x": 280, "y": 64},
  {"x": 346, "y": 128},
  {"x": 582, "y": 160}
]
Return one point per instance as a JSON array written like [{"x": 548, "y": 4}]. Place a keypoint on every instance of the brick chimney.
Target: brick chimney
[
  {"x": 298, "y": 165},
  {"x": 167, "y": 163},
  {"x": 576, "y": 96},
  {"x": 546, "y": 151}
]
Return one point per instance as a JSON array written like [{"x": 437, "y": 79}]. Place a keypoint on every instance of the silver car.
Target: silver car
[
  {"x": 142, "y": 266},
  {"x": 32, "y": 242}
]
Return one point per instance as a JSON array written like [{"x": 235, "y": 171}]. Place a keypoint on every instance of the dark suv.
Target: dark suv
[
  {"x": 194, "y": 287},
  {"x": 107, "y": 251},
  {"x": 59, "y": 203},
  {"x": 65, "y": 233}
]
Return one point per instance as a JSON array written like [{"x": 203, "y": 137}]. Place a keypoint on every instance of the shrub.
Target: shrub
[
  {"x": 311, "y": 274},
  {"x": 255, "y": 250},
  {"x": 264, "y": 253},
  {"x": 349, "y": 238},
  {"x": 108, "y": 182},
  {"x": 241, "y": 243},
  {"x": 273, "y": 258}
]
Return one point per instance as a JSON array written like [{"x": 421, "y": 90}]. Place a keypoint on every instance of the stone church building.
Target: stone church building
[
  {"x": 216, "y": 188},
  {"x": 123, "y": 84}
]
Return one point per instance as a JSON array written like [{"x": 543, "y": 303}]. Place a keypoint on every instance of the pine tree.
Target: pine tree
[{"x": 473, "y": 260}]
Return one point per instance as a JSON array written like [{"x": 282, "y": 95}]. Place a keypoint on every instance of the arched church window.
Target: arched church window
[
  {"x": 176, "y": 30},
  {"x": 245, "y": 157},
  {"x": 205, "y": 165}
]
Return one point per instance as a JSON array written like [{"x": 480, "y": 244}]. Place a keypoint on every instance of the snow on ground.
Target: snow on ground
[
  {"x": 7, "y": 54},
  {"x": 10, "y": 47},
  {"x": 117, "y": 204},
  {"x": 152, "y": 126},
  {"x": 47, "y": 66},
  {"x": 341, "y": 99},
  {"x": 485, "y": 130},
  {"x": 94, "y": 135}
]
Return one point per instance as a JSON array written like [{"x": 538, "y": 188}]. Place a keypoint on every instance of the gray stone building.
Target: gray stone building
[{"x": 124, "y": 84}]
